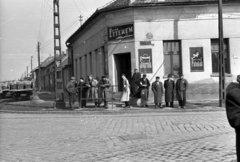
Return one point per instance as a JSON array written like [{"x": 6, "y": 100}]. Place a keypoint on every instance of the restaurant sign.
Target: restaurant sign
[
  {"x": 121, "y": 32},
  {"x": 145, "y": 60},
  {"x": 196, "y": 59}
]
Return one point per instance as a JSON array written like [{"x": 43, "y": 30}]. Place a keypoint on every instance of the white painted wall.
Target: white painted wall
[{"x": 195, "y": 26}]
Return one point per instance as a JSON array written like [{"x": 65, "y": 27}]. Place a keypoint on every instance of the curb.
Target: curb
[{"x": 110, "y": 112}]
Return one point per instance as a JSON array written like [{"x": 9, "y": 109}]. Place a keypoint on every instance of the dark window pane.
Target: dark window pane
[
  {"x": 172, "y": 55},
  {"x": 215, "y": 52},
  {"x": 176, "y": 65},
  {"x": 167, "y": 64}
]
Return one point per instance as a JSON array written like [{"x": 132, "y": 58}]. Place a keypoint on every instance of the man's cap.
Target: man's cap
[
  {"x": 157, "y": 77},
  {"x": 238, "y": 78},
  {"x": 104, "y": 76},
  {"x": 144, "y": 74},
  {"x": 170, "y": 75},
  {"x": 73, "y": 78}
]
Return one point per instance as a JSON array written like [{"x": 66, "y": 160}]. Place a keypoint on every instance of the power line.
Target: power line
[
  {"x": 84, "y": 7},
  {"x": 77, "y": 6}
]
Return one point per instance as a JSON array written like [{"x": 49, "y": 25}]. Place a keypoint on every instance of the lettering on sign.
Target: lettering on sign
[
  {"x": 121, "y": 32},
  {"x": 196, "y": 59}
]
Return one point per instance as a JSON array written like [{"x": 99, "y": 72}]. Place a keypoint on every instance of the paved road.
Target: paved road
[{"x": 156, "y": 137}]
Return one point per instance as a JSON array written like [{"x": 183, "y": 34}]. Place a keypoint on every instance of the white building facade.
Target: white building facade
[{"x": 159, "y": 39}]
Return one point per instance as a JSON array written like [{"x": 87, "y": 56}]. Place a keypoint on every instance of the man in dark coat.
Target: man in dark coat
[
  {"x": 169, "y": 86},
  {"x": 181, "y": 88},
  {"x": 82, "y": 92},
  {"x": 143, "y": 90},
  {"x": 233, "y": 113},
  {"x": 71, "y": 89},
  {"x": 157, "y": 89},
  {"x": 104, "y": 91},
  {"x": 135, "y": 82}
]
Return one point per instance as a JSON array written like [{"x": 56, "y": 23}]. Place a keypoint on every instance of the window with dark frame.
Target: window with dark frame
[
  {"x": 172, "y": 58},
  {"x": 215, "y": 52}
]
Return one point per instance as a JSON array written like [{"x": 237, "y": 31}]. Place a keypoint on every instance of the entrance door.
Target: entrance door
[{"x": 122, "y": 66}]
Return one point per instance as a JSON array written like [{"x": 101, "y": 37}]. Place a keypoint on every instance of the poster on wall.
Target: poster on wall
[
  {"x": 196, "y": 59},
  {"x": 145, "y": 61}
]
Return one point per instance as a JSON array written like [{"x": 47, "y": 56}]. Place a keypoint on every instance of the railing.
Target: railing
[{"x": 112, "y": 90}]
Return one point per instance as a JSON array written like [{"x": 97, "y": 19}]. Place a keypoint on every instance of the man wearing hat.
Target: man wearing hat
[
  {"x": 104, "y": 89},
  {"x": 71, "y": 89},
  {"x": 181, "y": 88},
  {"x": 169, "y": 86},
  {"x": 143, "y": 91},
  {"x": 157, "y": 89},
  {"x": 233, "y": 110}
]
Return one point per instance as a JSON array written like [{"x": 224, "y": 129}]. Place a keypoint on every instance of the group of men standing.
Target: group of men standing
[
  {"x": 140, "y": 89},
  {"x": 90, "y": 90},
  {"x": 99, "y": 91}
]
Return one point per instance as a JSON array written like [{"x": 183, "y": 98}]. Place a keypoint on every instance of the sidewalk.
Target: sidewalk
[{"x": 46, "y": 107}]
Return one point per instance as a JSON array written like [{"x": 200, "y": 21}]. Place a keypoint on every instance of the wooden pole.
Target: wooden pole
[
  {"x": 39, "y": 67},
  {"x": 221, "y": 61}
]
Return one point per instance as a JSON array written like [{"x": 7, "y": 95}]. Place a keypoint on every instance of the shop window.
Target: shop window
[
  {"x": 172, "y": 58},
  {"x": 215, "y": 50}
]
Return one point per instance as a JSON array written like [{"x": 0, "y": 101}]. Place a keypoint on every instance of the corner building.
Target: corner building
[{"x": 159, "y": 37}]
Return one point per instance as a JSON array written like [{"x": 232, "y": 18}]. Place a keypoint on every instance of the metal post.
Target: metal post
[
  {"x": 221, "y": 58},
  {"x": 59, "y": 92}
]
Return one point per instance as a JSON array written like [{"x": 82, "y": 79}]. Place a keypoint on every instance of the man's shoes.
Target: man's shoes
[
  {"x": 179, "y": 107},
  {"x": 183, "y": 107},
  {"x": 146, "y": 105},
  {"x": 156, "y": 107},
  {"x": 160, "y": 106}
]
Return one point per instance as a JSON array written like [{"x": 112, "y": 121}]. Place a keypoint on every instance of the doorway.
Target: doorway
[{"x": 122, "y": 66}]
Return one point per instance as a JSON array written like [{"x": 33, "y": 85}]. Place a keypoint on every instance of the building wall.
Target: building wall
[{"x": 193, "y": 26}]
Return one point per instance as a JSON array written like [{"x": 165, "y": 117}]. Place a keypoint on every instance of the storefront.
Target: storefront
[{"x": 159, "y": 39}]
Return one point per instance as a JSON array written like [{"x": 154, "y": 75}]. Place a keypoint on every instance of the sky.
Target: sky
[{"x": 25, "y": 22}]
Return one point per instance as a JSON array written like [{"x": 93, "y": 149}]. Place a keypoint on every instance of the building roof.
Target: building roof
[
  {"x": 49, "y": 61},
  {"x": 121, "y": 4}
]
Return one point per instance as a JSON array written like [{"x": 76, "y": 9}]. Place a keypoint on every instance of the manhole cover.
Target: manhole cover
[{"x": 134, "y": 137}]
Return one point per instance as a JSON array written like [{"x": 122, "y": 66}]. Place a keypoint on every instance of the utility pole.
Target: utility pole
[
  {"x": 81, "y": 20},
  {"x": 27, "y": 71},
  {"x": 39, "y": 68},
  {"x": 221, "y": 62},
  {"x": 31, "y": 66},
  {"x": 59, "y": 92}
]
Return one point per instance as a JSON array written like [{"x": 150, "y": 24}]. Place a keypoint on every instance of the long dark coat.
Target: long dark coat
[
  {"x": 141, "y": 82},
  {"x": 181, "y": 88},
  {"x": 82, "y": 92},
  {"x": 157, "y": 89},
  {"x": 233, "y": 114},
  {"x": 169, "y": 86},
  {"x": 104, "y": 89},
  {"x": 135, "y": 82}
]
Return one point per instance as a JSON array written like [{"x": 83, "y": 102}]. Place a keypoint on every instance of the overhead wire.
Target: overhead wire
[
  {"x": 84, "y": 7},
  {"x": 77, "y": 6}
]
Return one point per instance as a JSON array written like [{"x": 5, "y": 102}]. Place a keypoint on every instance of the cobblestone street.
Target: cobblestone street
[{"x": 159, "y": 137}]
